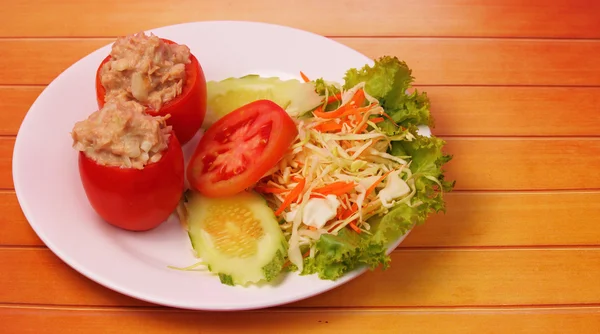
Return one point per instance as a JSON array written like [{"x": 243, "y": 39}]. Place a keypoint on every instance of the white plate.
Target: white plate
[{"x": 48, "y": 187}]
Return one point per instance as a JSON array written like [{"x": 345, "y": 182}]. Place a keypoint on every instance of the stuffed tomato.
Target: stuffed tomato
[
  {"x": 130, "y": 164},
  {"x": 161, "y": 75}
]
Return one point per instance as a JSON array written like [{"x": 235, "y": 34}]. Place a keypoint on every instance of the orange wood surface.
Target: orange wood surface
[{"x": 515, "y": 92}]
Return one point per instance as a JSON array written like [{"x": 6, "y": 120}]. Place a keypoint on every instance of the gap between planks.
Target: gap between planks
[{"x": 475, "y": 309}]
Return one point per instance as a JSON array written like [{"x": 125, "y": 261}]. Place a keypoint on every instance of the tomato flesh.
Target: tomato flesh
[
  {"x": 187, "y": 110},
  {"x": 240, "y": 148},
  {"x": 238, "y": 142},
  {"x": 135, "y": 199}
]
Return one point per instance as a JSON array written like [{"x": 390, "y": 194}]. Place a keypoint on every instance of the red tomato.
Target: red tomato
[
  {"x": 237, "y": 150},
  {"x": 187, "y": 110},
  {"x": 135, "y": 199}
]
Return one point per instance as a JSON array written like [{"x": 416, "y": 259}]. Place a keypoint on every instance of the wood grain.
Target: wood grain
[
  {"x": 515, "y": 111},
  {"x": 15, "y": 228},
  {"x": 458, "y": 111},
  {"x": 472, "y": 220},
  {"x": 6, "y": 151},
  {"x": 512, "y": 219},
  {"x": 576, "y": 19},
  {"x": 523, "y": 163},
  {"x": 576, "y": 320},
  {"x": 416, "y": 278},
  {"x": 441, "y": 61},
  {"x": 14, "y": 104},
  {"x": 533, "y": 163}
]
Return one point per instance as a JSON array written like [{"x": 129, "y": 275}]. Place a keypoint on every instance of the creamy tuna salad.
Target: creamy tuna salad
[
  {"x": 146, "y": 69},
  {"x": 121, "y": 134}
]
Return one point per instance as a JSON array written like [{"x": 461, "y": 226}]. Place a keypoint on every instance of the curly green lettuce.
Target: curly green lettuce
[
  {"x": 338, "y": 254},
  {"x": 388, "y": 80}
]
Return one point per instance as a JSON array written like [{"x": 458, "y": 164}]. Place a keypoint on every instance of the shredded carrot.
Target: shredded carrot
[
  {"x": 288, "y": 262},
  {"x": 354, "y": 227},
  {"x": 328, "y": 127},
  {"x": 353, "y": 111},
  {"x": 334, "y": 98},
  {"x": 291, "y": 197},
  {"x": 390, "y": 118},
  {"x": 374, "y": 185},
  {"x": 358, "y": 98},
  {"x": 312, "y": 228},
  {"x": 270, "y": 190},
  {"x": 329, "y": 114},
  {"x": 362, "y": 128},
  {"x": 296, "y": 178},
  {"x": 337, "y": 188},
  {"x": 377, "y": 120},
  {"x": 304, "y": 77},
  {"x": 340, "y": 213}
]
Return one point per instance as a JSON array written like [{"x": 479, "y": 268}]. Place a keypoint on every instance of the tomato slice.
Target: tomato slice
[
  {"x": 187, "y": 110},
  {"x": 237, "y": 150},
  {"x": 135, "y": 199}
]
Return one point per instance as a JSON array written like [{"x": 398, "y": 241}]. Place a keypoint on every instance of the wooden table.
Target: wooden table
[{"x": 515, "y": 91}]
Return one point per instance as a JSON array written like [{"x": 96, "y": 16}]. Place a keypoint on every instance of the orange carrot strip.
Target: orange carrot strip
[
  {"x": 328, "y": 127},
  {"x": 374, "y": 185},
  {"x": 296, "y": 178},
  {"x": 341, "y": 212},
  {"x": 291, "y": 197},
  {"x": 390, "y": 118},
  {"x": 334, "y": 98},
  {"x": 354, "y": 227},
  {"x": 329, "y": 114},
  {"x": 270, "y": 190},
  {"x": 316, "y": 195},
  {"x": 337, "y": 188},
  {"x": 377, "y": 120},
  {"x": 304, "y": 77},
  {"x": 362, "y": 128},
  {"x": 353, "y": 111},
  {"x": 312, "y": 228},
  {"x": 358, "y": 98}
]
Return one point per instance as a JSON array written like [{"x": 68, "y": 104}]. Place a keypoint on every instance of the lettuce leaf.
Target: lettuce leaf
[
  {"x": 388, "y": 80},
  {"x": 323, "y": 87},
  {"x": 338, "y": 254},
  {"x": 427, "y": 160}
]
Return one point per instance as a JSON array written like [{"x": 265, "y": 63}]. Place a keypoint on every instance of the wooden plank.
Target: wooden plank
[
  {"x": 15, "y": 228},
  {"x": 435, "y": 61},
  {"x": 37, "y": 320},
  {"x": 417, "y": 278},
  {"x": 6, "y": 151},
  {"x": 536, "y": 164},
  {"x": 458, "y": 111},
  {"x": 42, "y": 60},
  {"x": 545, "y": 163},
  {"x": 472, "y": 220},
  {"x": 515, "y": 111},
  {"x": 490, "y": 62},
  {"x": 512, "y": 219},
  {"x": 14, "y": 104},
  {"x": 411, "y": 18}
]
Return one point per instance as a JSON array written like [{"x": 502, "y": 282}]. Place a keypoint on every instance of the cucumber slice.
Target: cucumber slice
[
  {"x": 227, "y": 95},
  {"x": 237, "y": 237}
]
